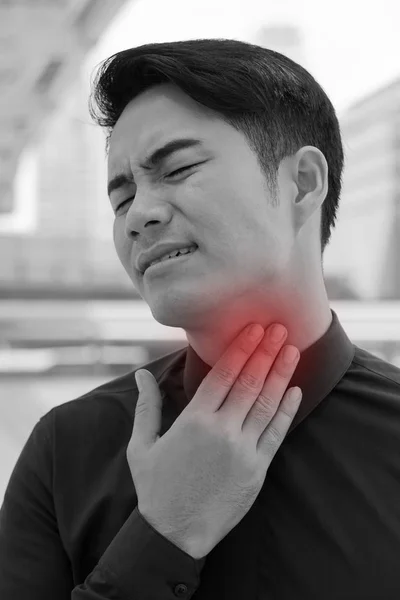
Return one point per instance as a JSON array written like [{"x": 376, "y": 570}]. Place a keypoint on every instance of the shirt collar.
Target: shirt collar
[{"x": 319, "y": 370}]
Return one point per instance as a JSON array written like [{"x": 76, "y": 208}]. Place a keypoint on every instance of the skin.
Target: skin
[{"x": 256, "y": 263}]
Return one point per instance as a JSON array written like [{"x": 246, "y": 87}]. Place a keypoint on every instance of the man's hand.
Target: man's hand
[{"x": 196, "y": 483}]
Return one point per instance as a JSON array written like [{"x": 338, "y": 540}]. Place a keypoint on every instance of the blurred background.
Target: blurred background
[{"x": 70, "y": 319}]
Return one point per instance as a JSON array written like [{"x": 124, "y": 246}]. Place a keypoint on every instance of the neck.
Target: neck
[{"x": 306, "y": 318}]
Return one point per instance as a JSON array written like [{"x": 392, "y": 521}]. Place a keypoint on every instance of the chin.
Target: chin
[
  {"x": 172, "y": 318},
  {"x": 174, "y": 311}
]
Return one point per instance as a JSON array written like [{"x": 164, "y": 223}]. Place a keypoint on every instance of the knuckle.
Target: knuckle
[
  {"x": 248, "y": 380},
  {"x": 246, "y": 347},
  {"x": 258, "y": 416},
  {"x": 228, "y": 435},
  {"x": 288, "y": 365},
  {"x": 225, "y": 376},
  {"x": 267, "y": 351},
  {"x": 288, "y": 408},
  {"x": 141, "y": 409},
  {"x": 271, "y": 448},
  {"x": 274, "y": 435},
  {"x": 266, "y": 403},
  {"x": 195, "y": 421},
  {"x": 282, "y": 372},
  {"x": 132, "y": 455}
]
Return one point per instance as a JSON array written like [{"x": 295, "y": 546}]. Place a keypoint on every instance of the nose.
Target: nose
[{"x": 140, "y": 218}]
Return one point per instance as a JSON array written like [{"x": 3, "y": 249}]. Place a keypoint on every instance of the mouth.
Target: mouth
[{"x": 169, "y": 262}]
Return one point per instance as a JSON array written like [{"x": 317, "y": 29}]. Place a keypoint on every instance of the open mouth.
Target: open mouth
[{"x": 165, "y": 262}]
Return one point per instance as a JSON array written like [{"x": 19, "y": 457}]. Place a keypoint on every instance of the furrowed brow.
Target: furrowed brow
[{"x": 154, "y": 160}]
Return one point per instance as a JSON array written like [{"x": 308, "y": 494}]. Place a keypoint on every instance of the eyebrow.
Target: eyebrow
[{"x": 154, "y": 160}]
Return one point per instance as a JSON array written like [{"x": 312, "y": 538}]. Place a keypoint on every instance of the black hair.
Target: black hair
[{"x": 271, "y": 99}]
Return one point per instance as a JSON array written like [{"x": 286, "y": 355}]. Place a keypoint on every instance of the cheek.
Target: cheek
[
  {"x": 115, "y": 231},
  {"x": 121, "y": 243}
]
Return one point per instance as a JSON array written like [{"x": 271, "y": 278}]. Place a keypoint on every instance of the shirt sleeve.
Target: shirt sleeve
[
  {"x": 143, "y": 565},
  {"x": 33, "y": 562},
  {"x": 139, "y": 564}
]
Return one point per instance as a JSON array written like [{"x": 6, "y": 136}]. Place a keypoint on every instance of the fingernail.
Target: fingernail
[
  {"x": 295, "y": 394},
  {"x": 277, "y": 333},
  {"x": 255, "y": 332},
  {"x": 290, "y": 354}
]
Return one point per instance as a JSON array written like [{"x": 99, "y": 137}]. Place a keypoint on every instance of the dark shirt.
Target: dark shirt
[{"x": 325, "y": 525}]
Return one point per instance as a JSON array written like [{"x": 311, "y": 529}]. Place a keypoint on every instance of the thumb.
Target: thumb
[{"x": 147, "y": 422}]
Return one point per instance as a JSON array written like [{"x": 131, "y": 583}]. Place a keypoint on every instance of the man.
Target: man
[{"x": 227, "y": 486}]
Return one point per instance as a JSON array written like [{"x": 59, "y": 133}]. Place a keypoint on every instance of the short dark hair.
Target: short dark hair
[{"x": 271, "y": 99}]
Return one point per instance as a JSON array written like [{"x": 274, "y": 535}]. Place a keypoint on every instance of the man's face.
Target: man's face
[{"x": 222, "y": 204}]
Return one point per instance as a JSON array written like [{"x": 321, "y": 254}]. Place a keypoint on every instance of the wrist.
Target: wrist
[
  {"x": 193, "y": 548},
  {"x": 193, "y": 545}
]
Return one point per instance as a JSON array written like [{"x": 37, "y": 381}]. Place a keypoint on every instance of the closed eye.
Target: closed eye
[
  {"x": 172, "y": 174},
  {"x": 180, "y": 170}
]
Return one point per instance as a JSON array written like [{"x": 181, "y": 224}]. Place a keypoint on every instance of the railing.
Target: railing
[{"x": 47, "y": 333}]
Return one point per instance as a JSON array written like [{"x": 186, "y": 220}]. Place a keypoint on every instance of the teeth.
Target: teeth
[{"x": 173, "y": 254}]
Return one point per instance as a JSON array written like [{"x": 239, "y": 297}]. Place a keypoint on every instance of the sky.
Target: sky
[{"x": 351, "y": 47}]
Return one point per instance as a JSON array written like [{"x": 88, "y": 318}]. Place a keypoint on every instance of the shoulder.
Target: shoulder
[
  {"x": 374, "y": 373},
  {"x": 115, "y": 400}
]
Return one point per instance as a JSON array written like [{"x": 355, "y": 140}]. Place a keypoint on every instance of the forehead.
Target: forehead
[{"x": 153, "y": 118}]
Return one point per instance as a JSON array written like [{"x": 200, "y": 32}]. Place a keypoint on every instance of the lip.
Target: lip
[
  {"x": 144, "y": 259},
  {"x": 168, "y": 263}
]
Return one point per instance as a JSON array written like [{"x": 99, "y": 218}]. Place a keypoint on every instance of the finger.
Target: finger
[
  {"x": 218, "y": 383},
  {"x": 273, "y": 436},
  {"x": 147, "y": 422},
  {"x": 273, "y": 390},
  {"x": 251, "y": 380}
]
